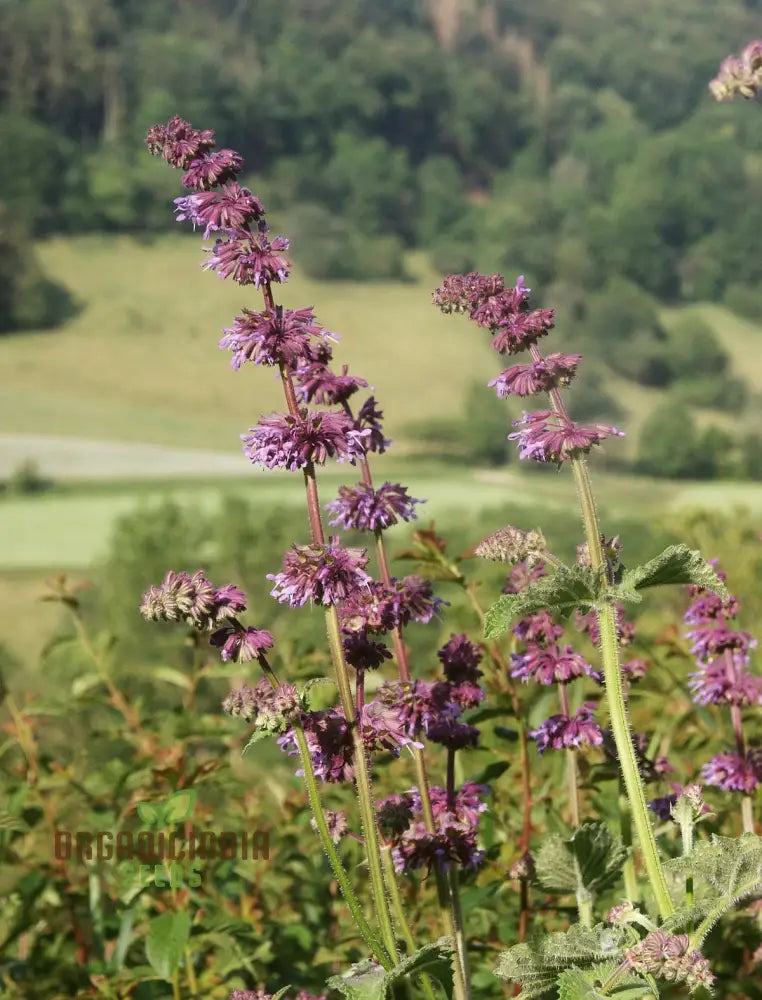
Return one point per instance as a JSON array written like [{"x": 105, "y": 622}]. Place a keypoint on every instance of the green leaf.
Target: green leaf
[
  {"x": 180, "y": 805},
  {"x": 433, "y": 959},
  {"x": 491, "y": 771},
  {"x": 81, "y": 685},
  {"x": 676, "y": 564},
  {"x": 537, "y": 965},
  {"x": 167, "y": 937},
  {"x": 579, "y": 984},
  {"x": 729, "y": 870},
  {"x": 592, "y": 860},
  {"x": 567, "y": 589},
  {"x": 172, "y": 676},
  {"x": 365, "y": 981},
  {"x": 256, "y": 736}
]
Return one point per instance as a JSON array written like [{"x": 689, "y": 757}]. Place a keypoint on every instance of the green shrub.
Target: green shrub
[{"x": 745, "y": 301}]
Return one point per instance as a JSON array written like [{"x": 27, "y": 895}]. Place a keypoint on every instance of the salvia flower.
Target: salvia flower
[
  {"x": 192, "y": 599},
  {"x": 513, "y": 545},
  {"x": 588, "y": 623},
  {"x": 522, "y": 574},
  {"x": 460, "y": 659},
  {"x": 178, "y": 143},
  {"x": 549, "y": 437},
  {"x": 281, "y": 337},
  {"x": 211, "y": 169},
  {"x": 369, "y": 419},
  {"x": 549, "y": 665},
  {"x": 560, "y": 731},
  {"x": 739, "y": 76},
  {"x": 464, "y": 293},
  {"x": 733, "y": 773},
  {"x": 382, "y": 608},
  {"x": 539, "y": 376},
  {"x": 714, "y": 638},
  {"x": 315, "y": 382},
  {"x": 423, "y": 705},
  {"x": 395, "y": 814},
  {"x": 522, "y": 869},
  {"x": 725, "y": 682},
  {"x": 538, "y": 629},
  {"x": 363, "y": 508},
  {"x": 325, "y": 574},
  {"x": 336, "y": 823},
  {"x": 241, "y": 644},
  {"x": 364, "y": 653},
  {"x": 668, "y": 957},
  {"x": 454, "y": 839},
  {"x": 329, "y": 738},
  {"x": 283, "y": 441},
  {"x": 249, "y": 258},
  {"x": 270, "y": 709}
]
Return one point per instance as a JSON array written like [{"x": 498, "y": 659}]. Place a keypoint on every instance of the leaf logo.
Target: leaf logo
[{"x": 175, "y": 809}]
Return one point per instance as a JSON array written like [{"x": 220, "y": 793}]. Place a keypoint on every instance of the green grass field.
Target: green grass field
[{"x": 140, "y": 362}]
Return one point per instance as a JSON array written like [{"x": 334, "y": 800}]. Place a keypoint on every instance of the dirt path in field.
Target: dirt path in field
[{"x": 61, "y": 458}]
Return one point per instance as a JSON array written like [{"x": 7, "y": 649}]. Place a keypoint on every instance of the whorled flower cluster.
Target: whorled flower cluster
[
  {"x": 548, "y": 435},
  {"x": 670, "y": 957},
  {"x": 456, "y": 824},
  {"x": 270, "y": 709},
  {"x": 291, "y": 339},
  {"x": 433, "y": 708},
  {"x": 206, "y": 608},
  {"x": 722, "y": 678},
  {"x": 329, "y": 738},
  {"x": 739, "y": 76}
]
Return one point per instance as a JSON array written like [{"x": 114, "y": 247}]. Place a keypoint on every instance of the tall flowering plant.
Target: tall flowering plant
[{"x": 657, "y": 933}]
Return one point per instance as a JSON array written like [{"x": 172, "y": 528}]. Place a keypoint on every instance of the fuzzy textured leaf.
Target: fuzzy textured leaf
[
  {"x": 579, "y": 984},
  {"x": 434, "y": 959},
  {"x": 365, "y": 980},
  {"x": 569, "y": 588},
  {"x": 537, "y": 965},
  {"x": 592, "y": 860},
  {"x": 676, "y": 564},
  {"x": 731, "y": 868}
]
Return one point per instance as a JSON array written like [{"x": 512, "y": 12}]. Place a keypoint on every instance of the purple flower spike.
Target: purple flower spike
[
  {"x": 282, "y": 337},
  {"x": 733, "y": 773},
  {"x": 464, "y": 293},
  {"x": 540, "y": 376},
  {"x": 314, "y": 382},
  {"x": 560, "y": 731},
  {"x": 178, "y": 143},
  {"x": 212, "y": 169},
  {"x": 538, "y": 629},
  {"x": 361, "y": 508},
  {"x": 725, "y": 682},
  {"x": 282, "y": 441},
  {"x": 325, "y": 574},
  {"x": 549, "y": 665},
  {"x": 241, "y": 644},
  {"x": 250, "y": 259},
  {"x": 548, "y": 437},
  {"x": 460, "y": 660},
  {"x": 193, "y": 600}
]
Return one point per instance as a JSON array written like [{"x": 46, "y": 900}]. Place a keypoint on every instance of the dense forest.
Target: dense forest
[{"x": 577, "y": 141}]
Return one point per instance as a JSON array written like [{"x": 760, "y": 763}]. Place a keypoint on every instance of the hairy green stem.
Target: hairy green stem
[
  {"x": 631, "y": 888},
  {"x": 368, "y": 935},
  {"x": 620, "y": 724},
  {"x": 399, "y": 913},
  {"x": 571, "y": 763},
  {"x": 612, "y": 674}
]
